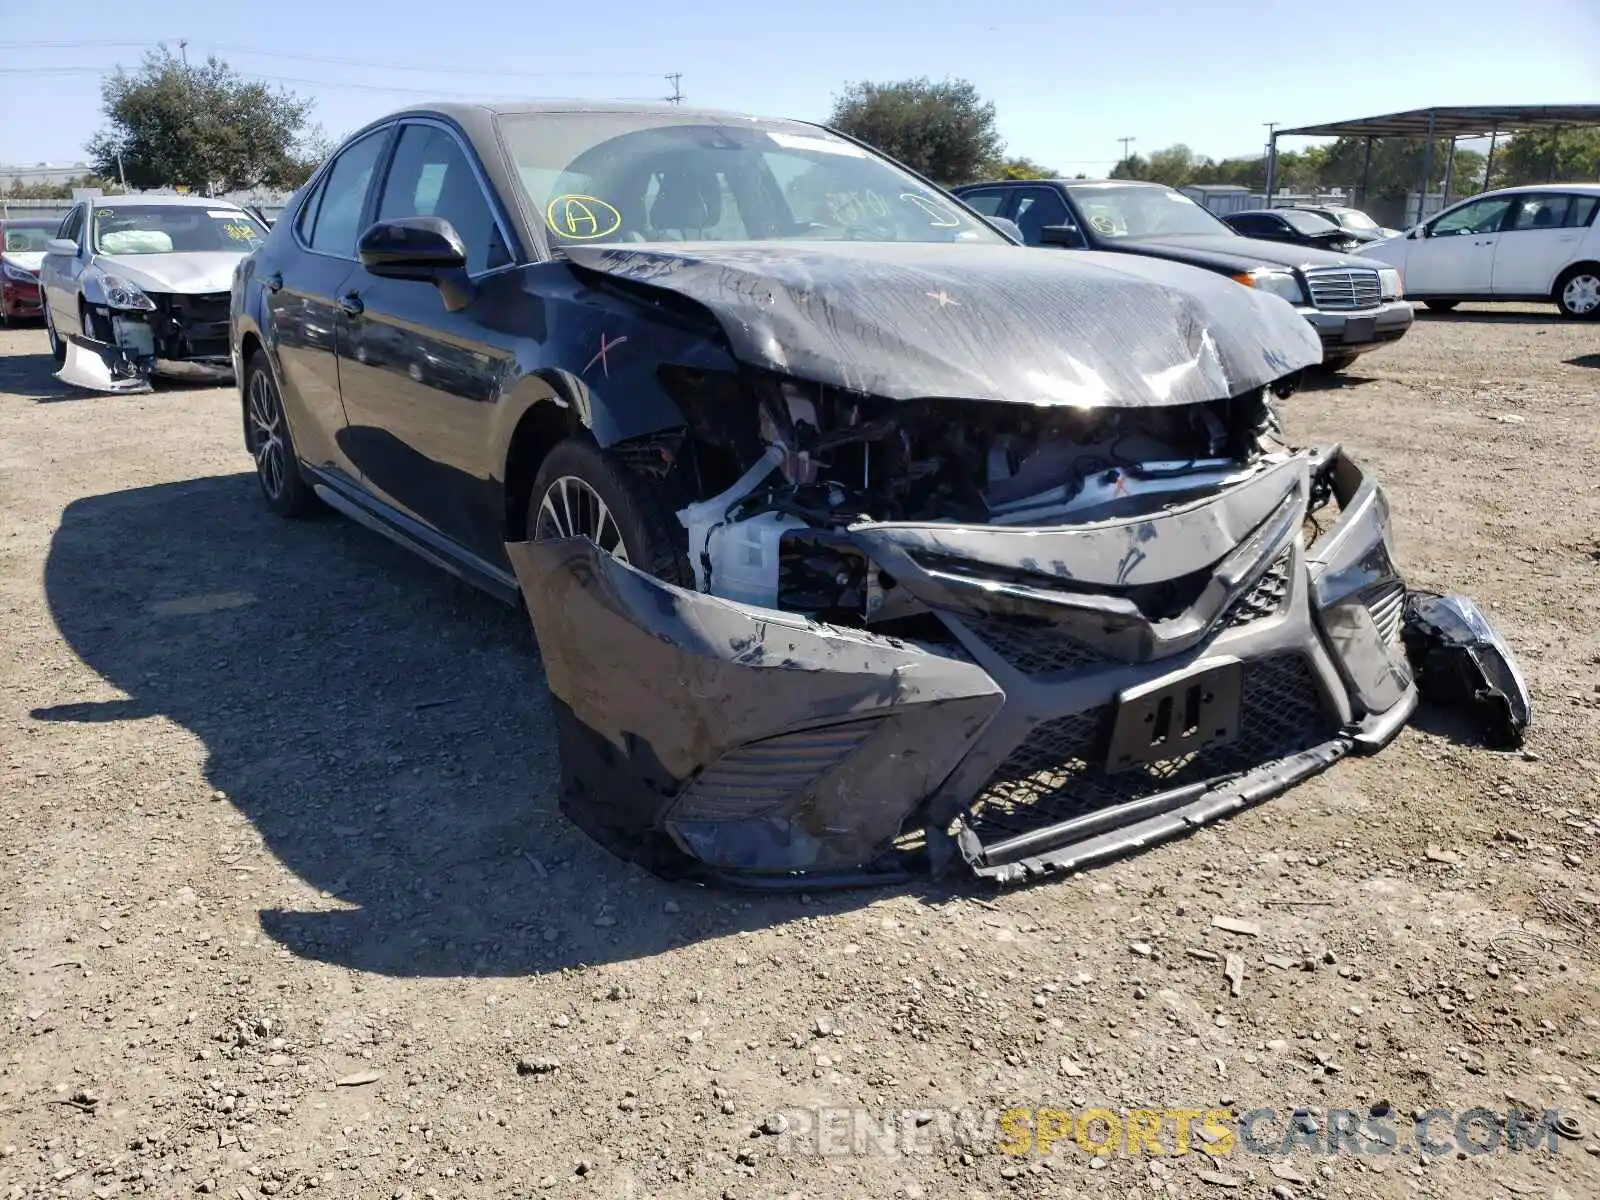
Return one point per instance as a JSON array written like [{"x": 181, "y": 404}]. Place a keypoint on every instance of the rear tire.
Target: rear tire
[
  {"x": 581, "y": 490},
  {"x": 1335, "y": 363},
  {"x": 267, "y": 433},
  {"x": 1441, "y": 305},
  {"x": 1578, "y": 292}
]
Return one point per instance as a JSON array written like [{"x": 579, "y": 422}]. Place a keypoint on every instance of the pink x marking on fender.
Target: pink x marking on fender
[{"x": 606, "y": 344}]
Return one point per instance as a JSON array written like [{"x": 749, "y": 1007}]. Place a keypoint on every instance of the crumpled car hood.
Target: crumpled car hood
[
  {"x": 979, "y": 322},
  {"x": 191, "y": 272}
]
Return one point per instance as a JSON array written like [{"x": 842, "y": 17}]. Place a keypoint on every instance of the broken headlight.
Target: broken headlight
[
  {"x": 1390, "y": 286},
  {"x": 1284, "y": 284},
  {"x": 122, "y": 293}
]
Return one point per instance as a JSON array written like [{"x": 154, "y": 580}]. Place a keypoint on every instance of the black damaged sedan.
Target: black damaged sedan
[{"x": 858, "y": 539}]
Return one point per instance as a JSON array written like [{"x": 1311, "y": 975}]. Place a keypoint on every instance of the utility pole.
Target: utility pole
[
  {"x": 1272, "y": 160},
  {"x": 1125, "y": 141},
  {"x": 677, "y": 92},
  {"x": 183, "y": 49}
]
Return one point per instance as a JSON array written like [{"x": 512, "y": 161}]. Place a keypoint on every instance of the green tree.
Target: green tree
[
  {"x": 51, "y": 191},
  {"x": 1135, "y": 166},
  {"x": 942, "y": 130},
  {"x": 1017, "y": 168},
  {"x": 203, "y": 127},
  {"x": 1574, "y": 155}
]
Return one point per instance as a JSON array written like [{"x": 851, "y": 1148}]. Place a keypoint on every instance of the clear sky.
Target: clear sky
[{"x": 1068, "y": 78}]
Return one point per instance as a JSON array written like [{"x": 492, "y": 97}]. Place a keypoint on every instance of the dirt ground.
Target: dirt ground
[{"x": 287, "y": 904}]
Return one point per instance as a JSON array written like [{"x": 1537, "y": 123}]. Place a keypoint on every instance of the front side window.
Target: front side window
[
  {"x": 1038, "y": 207},
  {"x": 988, "y": 203},
  {"x": 1139, "y": 211},
  {"x": 658, "y": 177},
  {"x": 1480, "y": 216},
  {"x": 174, "y": 229},
  {"x": 431, "y": 177},
  {"x": 342, "y": 198},
  {"x": 72, "y": 227}
]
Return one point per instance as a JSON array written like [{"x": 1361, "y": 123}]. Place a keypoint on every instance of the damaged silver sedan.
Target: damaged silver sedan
[
  {"x": 859, "y": 540},
  {"x": 137, "y": 286}
]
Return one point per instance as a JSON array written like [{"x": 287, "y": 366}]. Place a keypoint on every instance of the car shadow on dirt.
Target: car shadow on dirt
[
  {"x": 1491, "y": 316},
  {"x": 385, "y": 729},
  {"x": 32, "y": 376}
]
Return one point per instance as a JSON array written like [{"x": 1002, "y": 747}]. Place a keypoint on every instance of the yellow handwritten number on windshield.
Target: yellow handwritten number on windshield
[{"x": 581, "y": 218}]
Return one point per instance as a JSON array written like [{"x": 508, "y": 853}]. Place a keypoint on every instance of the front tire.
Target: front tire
[
  {"x": 58, "y": 348},
  {"x": 1441, "y": 305},
  {"x": 1578, "y": 293},
  {"x": 267, "y": 433},
  {"x": 581, "y": 491}
]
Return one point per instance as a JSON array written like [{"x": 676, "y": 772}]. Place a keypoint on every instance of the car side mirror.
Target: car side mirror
[
  {"x": 61, "y": 246},
  {"x": 1421, "y": 231},
  {"x": 1069, "y": 236},
  {"x": 1007, "y": 226},
  {"x": 421, "y": 249}
]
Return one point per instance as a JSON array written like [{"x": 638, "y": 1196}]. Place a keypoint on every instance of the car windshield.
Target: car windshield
[
  {"x": 174, "y": 229},
  {"x": 662, "y": 177},
  {"x": 1354, "y": 218},
  {"x": 1143, "y": 211},
  {"x": 1307, "y": 222},
  {"x": 27, "y": 239}
]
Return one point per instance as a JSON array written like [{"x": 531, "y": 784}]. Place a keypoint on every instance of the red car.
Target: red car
[{"x": 22, "y": 245}]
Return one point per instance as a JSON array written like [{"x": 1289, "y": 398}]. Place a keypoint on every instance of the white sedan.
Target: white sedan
[
  {"x": 136, "y": 286},
  {"x": 1539, "y": 243}
]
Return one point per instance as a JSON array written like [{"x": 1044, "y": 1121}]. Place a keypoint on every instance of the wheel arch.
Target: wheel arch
[{"x": 1571, "y": 269}]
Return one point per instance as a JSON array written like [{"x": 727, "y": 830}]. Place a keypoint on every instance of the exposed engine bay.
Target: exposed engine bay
[{"x": 825, "y": 460}]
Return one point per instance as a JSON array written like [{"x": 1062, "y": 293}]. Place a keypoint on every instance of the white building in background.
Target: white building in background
[{"x": 49, "y": 173}]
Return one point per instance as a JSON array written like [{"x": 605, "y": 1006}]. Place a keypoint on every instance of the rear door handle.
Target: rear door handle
[
  {"x": 350, "y": 302},
  {"x": 273, "y": 282}
]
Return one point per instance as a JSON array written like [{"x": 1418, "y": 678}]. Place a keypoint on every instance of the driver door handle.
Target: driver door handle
[{"x": 350, "y": 302}]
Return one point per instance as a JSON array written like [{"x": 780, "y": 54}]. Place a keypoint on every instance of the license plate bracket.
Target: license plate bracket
[
  {"x": 1172, "y": 718},
  {"x": 1360, "y": 329}
]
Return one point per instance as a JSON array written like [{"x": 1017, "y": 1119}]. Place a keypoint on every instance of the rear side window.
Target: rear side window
[
  {"x": 335, "y": 211},
  {"x": 1555, "y": 211},
  {"x": 431, "y": 177}
]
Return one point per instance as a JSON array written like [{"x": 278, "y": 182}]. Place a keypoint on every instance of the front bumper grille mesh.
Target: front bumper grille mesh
[
  {"x": 1344, "y": 289},
  {"x": 759, "y": 776},
  {"x": 1265, "y": 597},
  {"x": 1057, "y": 773},
  {"x": 1034, "y": 649}
]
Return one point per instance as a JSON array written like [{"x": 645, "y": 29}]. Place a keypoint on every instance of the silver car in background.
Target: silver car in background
[{"x": 136, "y": 286}]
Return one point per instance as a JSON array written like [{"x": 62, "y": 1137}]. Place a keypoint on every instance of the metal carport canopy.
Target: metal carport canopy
[
  {"x": 1464, "y": 121},
  {"x": 1468, "y": 121}
]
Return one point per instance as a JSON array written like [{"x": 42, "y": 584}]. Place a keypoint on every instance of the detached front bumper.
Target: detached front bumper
[
  {"x": 1198, "y": 661},
  {"x": 120, "y": 367},
  {"x": 1346, "y": 333}
]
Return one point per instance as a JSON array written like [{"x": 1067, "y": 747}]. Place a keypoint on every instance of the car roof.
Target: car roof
[
  {"x": 1073, "y": 183},
  {"x": 161, "y": 200},
  {"x": 1582, "y": 189}
]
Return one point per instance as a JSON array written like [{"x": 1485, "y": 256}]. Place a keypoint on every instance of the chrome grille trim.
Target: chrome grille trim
[{"x": 1344, "y": 289}]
